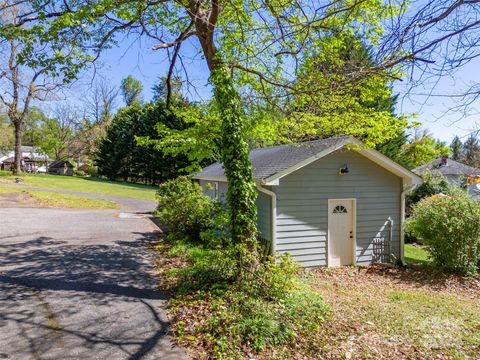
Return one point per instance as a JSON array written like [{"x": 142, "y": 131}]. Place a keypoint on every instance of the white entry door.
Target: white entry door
[{"x": 341, "y": 232}]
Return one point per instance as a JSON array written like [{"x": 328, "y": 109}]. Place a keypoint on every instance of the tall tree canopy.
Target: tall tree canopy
[
  {"x": 121, "y": 157},
  {"x": 471, "y": 151},
  {"x": 422, "y": 148},
  {"x": 456, "y": 148},
  {"x": 343, "y": 102},
  {"x": 131, "y": 90},
  {"x": 34, "y": 63},
  {"x": 250, "y": 47}
]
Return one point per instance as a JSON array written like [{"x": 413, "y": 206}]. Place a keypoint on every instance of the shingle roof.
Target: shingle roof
[
  {"x": 59, "y": 164},
  {"x": 272, "y": 160},
  {"x": 451, "y": 168}
]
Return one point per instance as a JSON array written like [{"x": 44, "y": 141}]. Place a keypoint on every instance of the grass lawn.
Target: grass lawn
[
  {"x": 92, "y": 185},
  {"x": 56, "y": 200},
  {"x": 416, "y": 255},
  {"x": 381, "y": 312}
]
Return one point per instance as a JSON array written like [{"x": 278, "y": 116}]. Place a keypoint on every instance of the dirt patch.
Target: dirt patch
[{"x": 17, "y": 199}]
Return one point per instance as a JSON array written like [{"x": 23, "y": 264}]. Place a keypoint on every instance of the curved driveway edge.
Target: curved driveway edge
[{"x": 127, "y": 203}]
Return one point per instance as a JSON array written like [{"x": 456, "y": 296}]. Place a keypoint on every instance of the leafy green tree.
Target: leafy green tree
[
  {"x": 161, "y": 91},
  {"x": 238, "y": 61},
  {"x": 131, "y": 90},
  {"x": 456, "y": 148},
  {"x": 471, "y": 151},
  {"x": 121, "y": 157},
  {"x": 59, "y": 133},
  {"x": 31, "y": 127},
  {"x": 55, "y": 139},
  {"x": 7, "y": 136},
  {"x": 35, "y": 62},
  {"x": 344, "y": 103},
  {"x": 423, "y": 148}
]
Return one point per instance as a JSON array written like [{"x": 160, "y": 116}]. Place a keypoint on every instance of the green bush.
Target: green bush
[
  {"x": 232, "y": 308},
  {"x": 270, "y": 307},
  {"x": 188, "y": 213},
  {"x": 246, "y": 321},
  {"x": 410, "y": 236},
  {"x": 449, "y": 225},
  {"x": 432, "y": 184}
]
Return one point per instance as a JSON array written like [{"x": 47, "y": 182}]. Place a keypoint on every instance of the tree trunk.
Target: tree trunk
[
  {"x": 241, "y": 194},
  {"x": 17, "y": 163}
]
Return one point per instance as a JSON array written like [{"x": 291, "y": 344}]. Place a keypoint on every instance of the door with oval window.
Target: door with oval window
[{"x": 341, "y": 232}]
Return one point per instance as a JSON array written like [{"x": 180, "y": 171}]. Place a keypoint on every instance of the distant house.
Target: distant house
[
  {"x": 455, "y": 172},
  {"x": 32, "y": 160},
  {"x": 61, "y": 167},
  {"x": 325, "y": 203}
]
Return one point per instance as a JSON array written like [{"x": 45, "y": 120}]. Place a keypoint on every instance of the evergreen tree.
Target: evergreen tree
[
  {"x": 160, "y": 90},
  {"x": 121, "y": 157},
  {"x": 471, "y": 151},
  {"x": 131, "y": 90},
  {"x": 456, "y": 148},
  {"x": 394, "y": 149},
  {"x": 342, "y": 103}
]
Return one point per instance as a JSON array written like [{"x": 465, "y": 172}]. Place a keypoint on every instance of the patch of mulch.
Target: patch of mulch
[
  {"x": 165, "y": 265},
  {"x": 184, "y": 318}
]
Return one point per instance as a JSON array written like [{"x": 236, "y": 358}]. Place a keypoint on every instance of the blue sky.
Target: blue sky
[{"x": 136, "y": 58}]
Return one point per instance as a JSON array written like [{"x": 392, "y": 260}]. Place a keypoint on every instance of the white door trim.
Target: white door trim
[{"x": 354, "y": 226}]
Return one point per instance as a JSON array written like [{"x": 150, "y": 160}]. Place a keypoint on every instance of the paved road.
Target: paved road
[{"x": 78, "y": 284}]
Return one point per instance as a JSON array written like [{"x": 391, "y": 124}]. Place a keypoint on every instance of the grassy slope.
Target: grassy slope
[
  {"x": 415, "y": 254},
  {"x": 57, "y": 200},
  {"x": 92, "y": 185}
]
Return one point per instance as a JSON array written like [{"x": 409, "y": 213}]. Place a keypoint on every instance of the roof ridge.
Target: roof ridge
[{"x": 339, "y": 137}]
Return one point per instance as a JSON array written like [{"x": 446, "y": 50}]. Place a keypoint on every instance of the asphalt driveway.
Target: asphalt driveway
[{"x": 78, "y": 284}]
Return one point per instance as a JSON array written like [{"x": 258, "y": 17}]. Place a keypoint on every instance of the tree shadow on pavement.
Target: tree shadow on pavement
[{"x": 64, "y": 301}]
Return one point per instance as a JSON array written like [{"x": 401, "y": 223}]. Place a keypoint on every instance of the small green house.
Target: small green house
[{"x": 329, "y": 202}]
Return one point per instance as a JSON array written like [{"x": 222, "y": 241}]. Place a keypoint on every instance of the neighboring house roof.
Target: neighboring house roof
[
  {"x": 60, "y": 164},
  {"x": 452, "y": 167},
  {"x": 9, "y": 160},
  {"x": 24, "y": 158},
  {"x": 27, "y": 151},
  {"x": 272, "y": 163}
]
